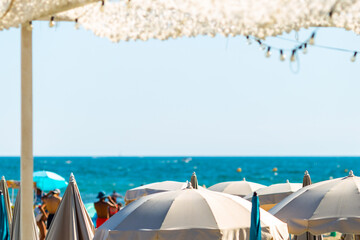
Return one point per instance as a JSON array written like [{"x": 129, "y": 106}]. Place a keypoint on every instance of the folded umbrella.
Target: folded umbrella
[
  {"x": 255, "y": 228},
  {"x": 15, "y": 226},
  {"x": 5, "y": 191},
  {"x": 71, "y": 221},
  {"x": 4, "y": 225}
]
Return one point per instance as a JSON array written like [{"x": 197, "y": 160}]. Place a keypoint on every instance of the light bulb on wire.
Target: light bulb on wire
[
  {"x": 292, "y": 58},
  {"x": 353, "y": 58},
  {"x": 262, "y": 46},
  {"x": 248, "y": 40},
  {"x": 102, "y": 6},
  {"x": 77, "y": 25},
  {"x": 29, "y": 27},
  {"x": 282, "y": 55},
  {"x": 52, "y": 22},
  {"x": 268, "y": 53},
  {"x": 305, "y": 48},
  {"x": 312, "y": 39}
]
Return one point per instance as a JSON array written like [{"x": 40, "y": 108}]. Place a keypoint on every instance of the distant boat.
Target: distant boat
[{"x": 186, "y": 160}]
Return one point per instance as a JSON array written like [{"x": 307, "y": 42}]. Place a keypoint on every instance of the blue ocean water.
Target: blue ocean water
[{"x": 122, "y": 173}]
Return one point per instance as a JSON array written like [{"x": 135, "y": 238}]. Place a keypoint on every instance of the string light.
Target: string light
[
  {"x": 29, "y": 27},
  {"x": 248, "y": 40},
  {"x": 262, "y": 46},
  {"x": 353, "y": 58},
  {"x": 282, "y": 55},
  {"x": 292, "y": 58},
  {"x": 305, "y": 48},
  {"x": 312, "y": 39},
  {"x": 76, "y": 24},
  {"x": 102, "y": 6},
  {"x": 52, "y": 22},
  {"x": 268, "y": 53}
]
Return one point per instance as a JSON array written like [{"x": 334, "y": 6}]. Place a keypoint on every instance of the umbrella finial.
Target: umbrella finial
[
  {"x": 351, "y": 173},
  {"x": 244, "y": 179},
  {"x": 287, "y": 181},
  {"x": 194, "y": 181},
  {"x": 72, "y": 178},
  {"x": 306, "y": 172}
]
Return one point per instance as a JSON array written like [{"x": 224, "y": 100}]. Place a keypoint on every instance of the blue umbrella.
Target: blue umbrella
[
  {"x": 48, "y": 181},
  {"x": 4, "y": 225},
  {"x": 255, "y": 227}
]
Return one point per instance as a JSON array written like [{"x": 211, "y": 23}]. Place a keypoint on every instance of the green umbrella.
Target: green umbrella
[
  {"x": 4, "y": 224},
  {"x": 255, "y": 227}
]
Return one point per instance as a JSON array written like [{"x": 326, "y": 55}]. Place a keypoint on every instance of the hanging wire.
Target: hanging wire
[
  {"x": 299, "y": 46},
  {"x": 320, "y": 46}
]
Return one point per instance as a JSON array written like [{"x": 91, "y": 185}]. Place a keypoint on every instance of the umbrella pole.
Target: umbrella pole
[{"x": 26, "y": 165}]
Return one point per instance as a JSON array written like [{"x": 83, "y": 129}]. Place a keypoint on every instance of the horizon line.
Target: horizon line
[{"x": 184, "y": 156}]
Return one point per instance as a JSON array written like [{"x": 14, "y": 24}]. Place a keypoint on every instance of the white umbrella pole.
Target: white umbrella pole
[{"x": 26, "y": 168}]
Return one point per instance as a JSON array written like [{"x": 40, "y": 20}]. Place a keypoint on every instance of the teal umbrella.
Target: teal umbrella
[
  {"x": 48, "y": 181},
  {"x": 255, "y": 227},
  {"x": 4, "y": 225}
]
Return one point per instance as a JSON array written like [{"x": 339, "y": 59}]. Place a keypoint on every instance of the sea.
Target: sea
[{"x": 94, "y": 174}]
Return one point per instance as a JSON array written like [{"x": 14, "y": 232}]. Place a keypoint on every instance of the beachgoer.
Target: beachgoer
[
  {"x": 39, "y": 194},
  {"x": 51, "y": 203},
  {"x": 114, "y": 210},
  {"x": 41, "y": 217},
  {"x": 102, "y": 208}
]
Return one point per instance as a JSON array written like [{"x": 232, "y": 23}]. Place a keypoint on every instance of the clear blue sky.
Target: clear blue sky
[{"x": 197, "y": 96}]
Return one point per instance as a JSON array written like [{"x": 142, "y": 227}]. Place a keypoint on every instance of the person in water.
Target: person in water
[
  {"x": 102, "y": 208},
  {"x": 51, "y": 203},
  {"x": 114, "y": 210}
]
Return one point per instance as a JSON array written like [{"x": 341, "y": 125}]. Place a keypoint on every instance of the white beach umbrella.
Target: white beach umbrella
[
  {"x": 327, "y": 206},
  {"x": 71, "y": 220},
  {"x": 273, "y": 194},
  {"x": 138, "y": 192},
  {"x": 238, "y": 188},
  {"x": 5, "y": 191},
  {"x": 188, "y": 214},
  {"x": 15, "y": 227}
]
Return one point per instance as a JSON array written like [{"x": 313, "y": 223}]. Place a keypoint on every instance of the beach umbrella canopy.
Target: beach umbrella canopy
[
  {"x": 5, "y": 191},
  {"x": 138, "y": 192},
  {"x": 188, "y": 214},
  {"x": 238, "y": 188},
  {"x": 255, "y": 228},
  {"x": 4, "y": 224},
  {"x": 71, "y": 221},
  {"x": 327, "y": 206},
  {"x": 15, "y": 227},
  {"x": 194, "y": 181},
  {"x": 48, "y": 181},
  {"x": 273, "y": 194}
]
